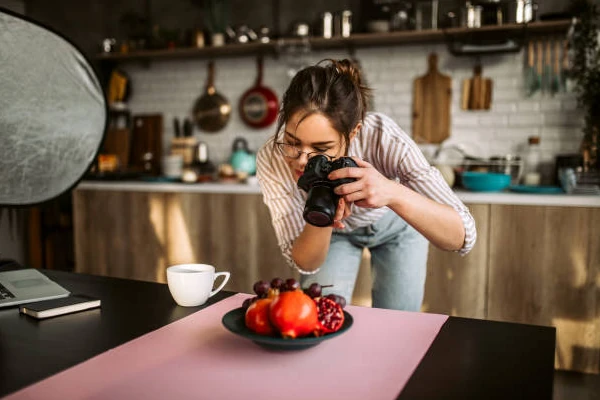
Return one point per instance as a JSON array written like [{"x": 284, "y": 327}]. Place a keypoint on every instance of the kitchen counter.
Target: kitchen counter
[
  {"x": 511, "y": 198},
  {"x": 166, "y": 187},
  {"x": 507, "y": 198},
  {"x": 531, "y": 255}
]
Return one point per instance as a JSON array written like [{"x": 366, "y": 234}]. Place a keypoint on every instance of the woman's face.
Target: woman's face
[{"x": 314, "y": 134}]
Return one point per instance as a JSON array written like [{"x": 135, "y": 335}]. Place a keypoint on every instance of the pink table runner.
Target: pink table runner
[{"x": 197, "y": 358}]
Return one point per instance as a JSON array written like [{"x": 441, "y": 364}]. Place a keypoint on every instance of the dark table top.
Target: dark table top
[{"x": 469, "y": 359}]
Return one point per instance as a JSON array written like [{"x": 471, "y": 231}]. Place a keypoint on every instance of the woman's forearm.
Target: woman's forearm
[
  {"x": 439, "y": 223},
  {"x": 311, "y": 247}
]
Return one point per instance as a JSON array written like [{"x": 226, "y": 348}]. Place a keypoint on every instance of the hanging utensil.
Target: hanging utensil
[
  {"x": 530, "y": 75},
  {"x": 539, "y": 68},
  {"x": 212, "y": 110},
  {"x": 547, "y": 77},
  {"x": 564, "y": 73},
  {"x": 258, "y": 106},
  {"x": 555, "y": 84}
]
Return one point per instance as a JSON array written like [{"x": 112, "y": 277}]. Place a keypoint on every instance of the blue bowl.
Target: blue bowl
[{"x": 485, "y": 181}]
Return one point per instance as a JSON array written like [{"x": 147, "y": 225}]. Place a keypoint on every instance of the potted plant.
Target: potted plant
[
  {"x": 216, "y": 17},
  {"x": 585, "y": 74}
]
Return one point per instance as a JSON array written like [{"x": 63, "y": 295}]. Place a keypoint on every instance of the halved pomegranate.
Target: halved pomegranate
[
  {"x": 294, "y": 314},
  {"x": 331, "y": 316}
]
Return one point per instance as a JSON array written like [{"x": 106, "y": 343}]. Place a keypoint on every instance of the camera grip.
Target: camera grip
[{"x": 343, "y": 162}]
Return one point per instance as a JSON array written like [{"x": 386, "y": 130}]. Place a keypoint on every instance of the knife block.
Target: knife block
[{"x": 185, "y": 146}]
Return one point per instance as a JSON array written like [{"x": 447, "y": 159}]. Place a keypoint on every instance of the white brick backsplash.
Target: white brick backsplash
[
  {"x": 491, "y": 120},
  {"x": 504, "y": 94},
  {"x": 565, "y": 146},
  {"x": 515, "y": 135},
  {"x": 566, "y": 118},
  {"x": 500, "y": 147},
  {"x": 550, "y": 105},
  {"x": 171, "y": 87},
  {"x": 569, "y": 103},
  {"x": 519, "y": 120},
  {"x": 531, "y": 105},
  {"x": 400, "y": 63},
  {"x": 397, "y": 100},
  {"x": 465, "y": 119},
  {"x": 503, "y": 107},
  {"x": 561, "y": 132},
  {"x": 505, "y": 82},
  {"x": 404, "y": 86}
]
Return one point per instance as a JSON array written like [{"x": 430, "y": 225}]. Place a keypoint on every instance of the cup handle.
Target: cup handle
[{"x": 225, "y": 279}]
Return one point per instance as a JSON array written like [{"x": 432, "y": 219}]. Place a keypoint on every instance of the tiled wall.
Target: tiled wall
[{"x": 171, "y": 87}]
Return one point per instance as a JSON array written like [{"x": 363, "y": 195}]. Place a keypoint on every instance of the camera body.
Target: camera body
[{"x": 321, "y": 202}]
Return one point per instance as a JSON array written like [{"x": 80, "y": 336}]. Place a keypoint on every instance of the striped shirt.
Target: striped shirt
[{"x": 383, "y": 144}]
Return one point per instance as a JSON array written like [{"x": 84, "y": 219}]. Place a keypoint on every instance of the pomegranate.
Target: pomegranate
[
  {"x": 257, "y": 317},
  {"x": 331, "y": 316},
  {"x": 294, "y": 314}
]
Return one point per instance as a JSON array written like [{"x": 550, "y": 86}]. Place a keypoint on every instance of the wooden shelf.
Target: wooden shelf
[{"x": 354, "y": 41}]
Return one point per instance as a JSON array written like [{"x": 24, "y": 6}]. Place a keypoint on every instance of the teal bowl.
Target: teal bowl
[{"x": 485, "y": 181}]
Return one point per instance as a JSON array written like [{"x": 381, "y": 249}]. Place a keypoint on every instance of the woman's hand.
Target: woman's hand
[
  {"x": 343, "y": 211},
  {"x": 370, "y": 190}
]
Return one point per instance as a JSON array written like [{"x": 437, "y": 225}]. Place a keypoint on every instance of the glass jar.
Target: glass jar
[{"x": 532, "y": 159}]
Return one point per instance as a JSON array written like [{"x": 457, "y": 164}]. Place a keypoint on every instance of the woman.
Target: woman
[{"x": 397, "y": 204}]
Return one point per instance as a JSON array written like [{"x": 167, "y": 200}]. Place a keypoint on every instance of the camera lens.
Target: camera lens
[{"x": 320, "y": 205}]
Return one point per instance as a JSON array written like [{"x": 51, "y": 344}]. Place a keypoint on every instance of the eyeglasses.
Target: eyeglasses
[{"x": 290, "y": 151}]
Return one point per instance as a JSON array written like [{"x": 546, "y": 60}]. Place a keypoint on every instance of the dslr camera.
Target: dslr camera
[{"x": 321, "y": 202}]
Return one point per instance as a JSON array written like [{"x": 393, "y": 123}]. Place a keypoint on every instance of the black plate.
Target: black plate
[{"x": 234, "y": 322}]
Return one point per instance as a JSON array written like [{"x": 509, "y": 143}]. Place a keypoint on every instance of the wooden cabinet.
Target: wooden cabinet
[
  {"x": 544, "y": 268},
  {"x": 456, "y": 285},
  {"x": 138, "y": 235},
  {"x": 531, "y": 264}
]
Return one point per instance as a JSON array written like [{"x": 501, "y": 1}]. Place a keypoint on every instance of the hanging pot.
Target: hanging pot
[
  {"x": 258, "y": 106},
  {"x": 212, "y": 110}
]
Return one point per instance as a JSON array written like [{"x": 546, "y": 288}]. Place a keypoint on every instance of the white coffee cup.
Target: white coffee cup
[{"x": 192, "y": 284}]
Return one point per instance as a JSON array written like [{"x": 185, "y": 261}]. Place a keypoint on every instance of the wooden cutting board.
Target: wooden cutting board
[
  {"x": 146, "y": 140},
  {"x": 432, "y": 97},
  {"x": 117, "y": 141},
  {"x": 477, "y": 92}
]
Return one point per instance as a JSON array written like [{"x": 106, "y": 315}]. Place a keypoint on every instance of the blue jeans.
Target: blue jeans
[{"x": 398, "y": 263}]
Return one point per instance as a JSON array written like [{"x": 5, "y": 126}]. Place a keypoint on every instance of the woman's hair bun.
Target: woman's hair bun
[{"x": 348, "y": 68}]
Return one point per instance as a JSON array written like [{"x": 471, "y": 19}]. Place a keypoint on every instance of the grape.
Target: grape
[
  {"x": 314, "y": 290},
  {"x": 261, "y": 288},
  {"x": 292, "y": 284},
  {"x": 248, "y": 302},
  {"x": 277, "y": 283},
  {"x": 338, "y": 299}
]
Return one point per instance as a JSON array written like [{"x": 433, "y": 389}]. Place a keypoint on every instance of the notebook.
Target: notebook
[
  {"x": 64, "y": 305},
  {"x": 26, "y": 286}
]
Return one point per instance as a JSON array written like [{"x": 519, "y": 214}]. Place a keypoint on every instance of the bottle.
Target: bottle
[{"x": 532, "y": 159}]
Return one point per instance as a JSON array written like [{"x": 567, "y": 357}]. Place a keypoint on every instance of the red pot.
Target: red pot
[{"x": 259, "y": 105}]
